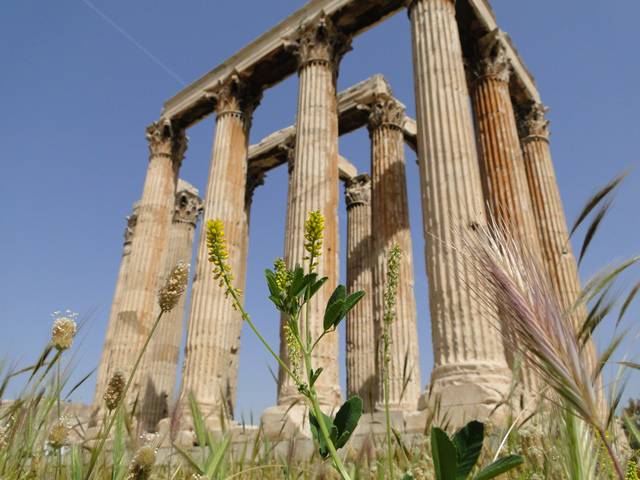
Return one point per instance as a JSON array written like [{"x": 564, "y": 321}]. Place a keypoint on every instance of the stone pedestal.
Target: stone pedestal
[
  {"x": 360, "y": 327},
  {"x": 139, "y": 306},
  {"x": 391, "y": 226},
  {"x": 111, "y": 333},
  {"x": 161, "y": 363},
  {"x": 470, "y": 373},
  {"x": 313, "y": 186},
  {"x": 214, "y": 326},
  {"x": 501, "y": 162}
]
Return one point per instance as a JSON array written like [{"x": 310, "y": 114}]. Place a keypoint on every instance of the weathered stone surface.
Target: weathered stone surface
[
  {"x": 501, "y": 161},
  {"x": 391, "y": 226},
  {"x": 470, "y": 372},
  {"x": 214, "y": 327},
  {"x": 161, "y": 363},
  {"x": 313, "y": 185},
  {"x": 112, "y": 333},
  {"x": 360, "y": 326},
  {"x": 137, "y": 311}
]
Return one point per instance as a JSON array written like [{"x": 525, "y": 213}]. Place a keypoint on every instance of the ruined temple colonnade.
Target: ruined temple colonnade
[{"x": 483, "y": 150}]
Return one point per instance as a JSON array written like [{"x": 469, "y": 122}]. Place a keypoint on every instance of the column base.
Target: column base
[{"x": 461, "y": 393}]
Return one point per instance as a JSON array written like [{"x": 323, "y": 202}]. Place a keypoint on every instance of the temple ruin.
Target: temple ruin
[{"x": 482, "y": 144}]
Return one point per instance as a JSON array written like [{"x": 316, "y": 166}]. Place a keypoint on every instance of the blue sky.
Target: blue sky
[{"x": 77, "y": 94}]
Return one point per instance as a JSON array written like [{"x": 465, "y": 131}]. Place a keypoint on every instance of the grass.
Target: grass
[{"x": 570, "y": 436}]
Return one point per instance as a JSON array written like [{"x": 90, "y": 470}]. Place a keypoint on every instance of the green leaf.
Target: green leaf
[
  {"x": 499, "y": 467},
  {"x": 314, "y": 376},
  {"x": 468, "y": 442},
  {"x": 335, "y": 307},
  {"x": 316, "y": 286},
  {"x": 190, "y": 460},
  {"x": 347, "y": 418},
  {"x": 214, "y": 460},
  {"x": 297, "y": 282},
  {"x": 352, "y": 300},
  {"x": 198, "y": 421},
  {"x": 444, "y": 455},
  {"x": 317, "y": 434}
]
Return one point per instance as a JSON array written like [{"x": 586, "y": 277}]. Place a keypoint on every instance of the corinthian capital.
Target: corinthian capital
[
  {"x": 319, "y": 41},
  {"x": 384, "y": 110},
  {"x": 163, "y": 141},
  {"x": 358, "y": 191},
  {"x": 235, "y": 95},
  {"x": 188, "y": 205},
  {"x": 493, "y": 61},
  {"x": 532, "y": 122}
]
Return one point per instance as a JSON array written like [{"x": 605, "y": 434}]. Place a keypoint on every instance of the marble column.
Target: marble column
[
  {"x": 470, "y": 371},
  {"x": 391, "y": 226},
  {"x": 360, "y": 327},
  {"x": 214, "y": 326},
  {"x": 501, "y": 162},
  {"x": 111, "y": 333},
  {"x": 161, "y": 365},
  {"x": 139, "y": 306},
  {"x": 319, "y": 47}
]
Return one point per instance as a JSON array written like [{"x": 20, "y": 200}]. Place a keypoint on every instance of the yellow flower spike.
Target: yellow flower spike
[{"x": 313, "y": 235}]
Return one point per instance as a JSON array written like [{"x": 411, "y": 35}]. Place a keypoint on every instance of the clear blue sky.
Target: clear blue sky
[{"x": 77, "y": 95}]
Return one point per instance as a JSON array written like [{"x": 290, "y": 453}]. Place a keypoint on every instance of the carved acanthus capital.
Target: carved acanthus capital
[
  {"x": 235, "y": 95},
  {"x": 130, "y": 228},
  {"x": 319, "y": 41},
  {"x": 384, "y": 111},
  {"x": 358, "y": 191},
  {"x": 532, "y": 122},
  {"x": 255, "y": 178},
  {"x": 493, "y": 61},
  {"x": 188, "y": 204},
  {"x": 164, "y": 141}
]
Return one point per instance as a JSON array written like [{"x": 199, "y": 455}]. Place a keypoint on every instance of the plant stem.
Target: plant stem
[
  {"x": 105, "y": 434},
  {"x": 315, "y": 406},
  {"x": 385, "y": 383},
  {"x": 614, "y": 460},
  {"x": 247, "y": 318}
]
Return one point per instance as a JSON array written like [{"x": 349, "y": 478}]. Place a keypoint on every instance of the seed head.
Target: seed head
[
  {"x": 4, "y": 437},
  {"x": 63, "y": 331},
  {"x": 293, "y": 350},
  {"x": 142, "y": 463},
  {"x": 313, "y": 235},
  {"x": 59, "y": 433},
  {"x": 174, "y": 287},
  {"x": 114, "y": 391}
]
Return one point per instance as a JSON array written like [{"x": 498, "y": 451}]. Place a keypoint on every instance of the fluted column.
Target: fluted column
[
  {"x": 139, "y": 305},
  {"x": 501, "y": 162},
  {"x": 470, "y": 369},
  {"x": 162, "y": 360},
  {"x": 112, "y": 332},
  {"x": 391, "y": 226},
  {"x": 548, "y": 211},
  {"x": 360, "y": 329},
  {"x": 314, "y": 185},
  {"x": 214, "y": 326}
]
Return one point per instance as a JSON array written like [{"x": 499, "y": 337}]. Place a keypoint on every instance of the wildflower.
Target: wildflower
[
  {"x": 114, "y": 391},
  {"x": 142, "y": 463},
  {"x": 59, "y": 433},
  {"x": 64, "y": 330},
  {"x": 632, "y": 471},
  {"x": 313, "y": 235},
  {"x": 174, "y": 287},
  {"x": 283, "y": 275},
  {"x": 218, "y": 253},
  {"x": 293, "y": 350},
  {"x": 391, "y": 290}
]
